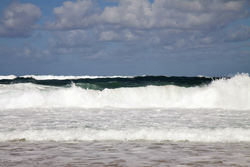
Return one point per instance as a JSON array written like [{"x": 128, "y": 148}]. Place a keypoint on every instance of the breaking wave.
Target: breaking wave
[{"x": 225, "y": 93}]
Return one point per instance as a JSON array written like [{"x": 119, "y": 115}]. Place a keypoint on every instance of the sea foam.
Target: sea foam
[
  {"x": 62, "y": 77},
  {"x": 184, "y": 134},
  {"x": 233, "y": 93}
]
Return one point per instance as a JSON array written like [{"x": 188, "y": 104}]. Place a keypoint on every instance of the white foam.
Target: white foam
[
  {"x": 184, "y": 134},
  {"x": 62, "y": 77},
  {"x": 224, "y": 93},
  {"x": 7, "y": 77},
  {"x": 202, "y": 76}
]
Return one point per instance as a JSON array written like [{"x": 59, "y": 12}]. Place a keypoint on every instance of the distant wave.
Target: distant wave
[
  {"x": 7, "y": 77},
  {"x": 225, "y": 93},
  {"x": 71, "y": 77},
  {"x": 59, "y": 77},
  {"x": 100, "y": 83}
]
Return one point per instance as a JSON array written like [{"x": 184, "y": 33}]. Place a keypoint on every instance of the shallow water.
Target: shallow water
[
  {"x": 117, "y": 153},
  {"x": 78, "y": 124}
]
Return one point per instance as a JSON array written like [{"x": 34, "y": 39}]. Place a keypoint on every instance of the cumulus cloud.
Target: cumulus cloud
[
  {"x": 141, "y": 27},
  {"x": 130, "y": 14},
  {"x": 19, "y": 20},
  {"x": 141, "y": 14},
  {"x": 74, "y": 15},
  {"x": 109, "y": 36}
]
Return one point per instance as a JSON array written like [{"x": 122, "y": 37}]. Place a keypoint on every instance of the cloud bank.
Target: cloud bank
[
  {"x": 132, "y": 30},
  {"x": 162, "y": 26},
  {"x": 141, "y": 14}
]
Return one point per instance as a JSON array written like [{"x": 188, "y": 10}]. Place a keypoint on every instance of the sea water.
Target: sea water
[{"x": 124, "y": 121}]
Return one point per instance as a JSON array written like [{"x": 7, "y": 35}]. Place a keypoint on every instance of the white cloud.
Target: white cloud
[
  {"x": 129, "y": 14},
  {"x": 129, "y": 36},
  {"x": 141, "y": 14},
  {"x": 140, "y": 27},
  {"x": 109, "y": 36},
  {"x": 74, "y": 15},
  {"x": 198, "y": 15},
  {"x": 19, "y": 20}
]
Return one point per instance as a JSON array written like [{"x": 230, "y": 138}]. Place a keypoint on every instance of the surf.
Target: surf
[
  {"x": 232, "y": 93},
  {"x": 176, "y": 135}
]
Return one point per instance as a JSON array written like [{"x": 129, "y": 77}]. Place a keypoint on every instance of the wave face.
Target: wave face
[
  {"x": 127, "y": 92},
  {"x": 111, "y": 82}
]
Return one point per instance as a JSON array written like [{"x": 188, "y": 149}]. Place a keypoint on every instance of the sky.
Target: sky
[{"x": 125, "y": 37}]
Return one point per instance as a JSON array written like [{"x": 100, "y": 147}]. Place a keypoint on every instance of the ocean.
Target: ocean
[{"x": 130, "y": 121}]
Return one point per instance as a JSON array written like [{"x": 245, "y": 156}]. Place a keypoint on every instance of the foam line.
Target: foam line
[{"x": 191, "y": 135}]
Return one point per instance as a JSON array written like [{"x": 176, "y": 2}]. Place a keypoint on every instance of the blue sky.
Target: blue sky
[{"x": 125, "y": 37}]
